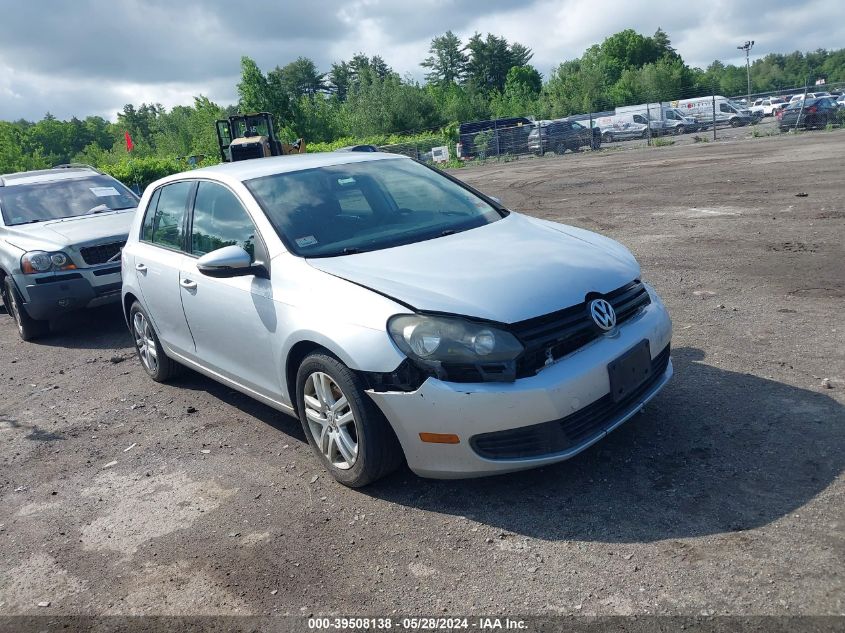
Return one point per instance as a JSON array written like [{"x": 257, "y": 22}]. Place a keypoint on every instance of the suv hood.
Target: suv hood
[
  {"x": 55, "y": 235},
  {"x": 513, "y": 269}
]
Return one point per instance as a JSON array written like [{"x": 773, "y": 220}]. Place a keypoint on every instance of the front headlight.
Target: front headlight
[
  {"x": 42, "y": 262},
  {"x": 451, "y": 340}
]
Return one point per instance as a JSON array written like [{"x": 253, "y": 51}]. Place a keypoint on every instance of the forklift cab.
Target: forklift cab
[{"x": 245, "y": 136}]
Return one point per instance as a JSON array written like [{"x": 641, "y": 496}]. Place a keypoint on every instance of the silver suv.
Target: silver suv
[{"x": 61, "y": 234}]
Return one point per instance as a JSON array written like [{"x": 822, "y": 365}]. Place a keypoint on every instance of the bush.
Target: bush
[
  {"x": 144, "y": 170},
  {"x": 661, "y": 142}
]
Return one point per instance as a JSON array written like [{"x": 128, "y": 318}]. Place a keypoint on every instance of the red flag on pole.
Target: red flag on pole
[{"x": 129, "y": 144}]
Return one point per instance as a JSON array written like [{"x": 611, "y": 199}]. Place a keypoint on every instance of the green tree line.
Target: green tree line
[{"x": 363, "y": 99}]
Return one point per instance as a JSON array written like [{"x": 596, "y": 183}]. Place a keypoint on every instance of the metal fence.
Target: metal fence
[{"x": 660, "y": 123}]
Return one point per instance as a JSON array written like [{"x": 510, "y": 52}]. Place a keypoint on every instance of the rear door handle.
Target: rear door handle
[
  {"x": 187, "y": 284},
  {"x": 141, "y": 268}
]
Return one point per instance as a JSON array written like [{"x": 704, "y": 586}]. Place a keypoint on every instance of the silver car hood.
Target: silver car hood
[
  {"x": 59, "y": 234},
  {"x": 513, "y": 269}
]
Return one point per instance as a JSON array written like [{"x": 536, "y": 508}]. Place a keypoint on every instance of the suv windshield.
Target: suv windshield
[
  {"x": 357, "y": 207},
  {"x": 58, "y": 199}
]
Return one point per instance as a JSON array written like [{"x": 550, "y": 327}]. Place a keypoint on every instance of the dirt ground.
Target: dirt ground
[{"x": 726, "y": 496}]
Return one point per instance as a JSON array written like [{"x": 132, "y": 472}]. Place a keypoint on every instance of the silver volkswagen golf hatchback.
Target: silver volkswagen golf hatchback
[{"x": 397, "y": 312}]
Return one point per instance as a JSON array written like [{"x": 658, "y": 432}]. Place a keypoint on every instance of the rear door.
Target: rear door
[
  {"x": 158, "y": 258},
  {"x": 233, "y": 320}
]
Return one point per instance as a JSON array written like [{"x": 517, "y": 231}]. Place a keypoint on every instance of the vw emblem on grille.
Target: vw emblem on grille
[{"x": 603, "y": 314}]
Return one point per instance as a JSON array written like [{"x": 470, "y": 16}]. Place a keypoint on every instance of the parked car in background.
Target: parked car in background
[
  {"x": 560, "y": 135},
  {"x": 840, "y": 101},
  {"x": 621, "y": 128},
  {"x": 358, "y": 148},
  {"x": 811, "y": 113},
  {"x": 499, "y": 136},
  {"x": 61, "y": 234},
  {"x": 809, "y": 95},
  {"x": 768, "y": 106},
  {"x": 399, "y": 313}
]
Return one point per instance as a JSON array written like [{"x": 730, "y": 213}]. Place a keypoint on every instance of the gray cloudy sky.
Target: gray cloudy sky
[{"x": 92, "y": 56}]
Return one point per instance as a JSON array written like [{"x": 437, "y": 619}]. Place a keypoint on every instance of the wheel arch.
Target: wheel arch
[
  {"x": 297, "y": 353},
  {"x": 128, "y": 299}
]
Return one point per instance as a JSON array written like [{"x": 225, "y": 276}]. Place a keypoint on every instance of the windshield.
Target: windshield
[
  {"x": 357, "y": 207},
  {"x": 39, "y": 202}
]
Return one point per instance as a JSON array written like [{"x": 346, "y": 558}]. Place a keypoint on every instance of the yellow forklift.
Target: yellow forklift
[{"x": 245, "y": 136}]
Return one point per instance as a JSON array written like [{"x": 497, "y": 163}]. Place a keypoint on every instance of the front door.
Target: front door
[
  {"x": 159, "y": 256},
  {"x": 233, "y": 320}
]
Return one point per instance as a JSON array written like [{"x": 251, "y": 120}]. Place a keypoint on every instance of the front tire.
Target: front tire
[
  {"x": 29, "y": 329},
  {"x": 153, "y": 359},
  {"x": 346, "y": 430}
]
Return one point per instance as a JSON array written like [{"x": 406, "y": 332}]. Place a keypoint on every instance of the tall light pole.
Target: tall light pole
[{"x": 747, "y": 48}]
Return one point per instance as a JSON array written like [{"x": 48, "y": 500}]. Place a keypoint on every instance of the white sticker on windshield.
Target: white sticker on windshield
[
  {"x": 308, "y": 240},
  {"x": 104, "y": 192}
]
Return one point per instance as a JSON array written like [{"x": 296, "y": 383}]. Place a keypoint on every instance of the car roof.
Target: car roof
[
  {"x": 61, "y": 172},
  {"x": 257, "y": 167}
]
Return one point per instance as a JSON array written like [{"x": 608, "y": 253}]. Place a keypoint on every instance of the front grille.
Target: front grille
[
  {"x": 101, "y": 253},
  {"x": 565, "y": 331},
  {"x": 557, "y": 436}
]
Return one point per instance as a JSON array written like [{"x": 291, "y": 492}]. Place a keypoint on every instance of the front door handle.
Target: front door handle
[
  {"x": 187, "y": 284},
  {"x": 141, "y": 268}
]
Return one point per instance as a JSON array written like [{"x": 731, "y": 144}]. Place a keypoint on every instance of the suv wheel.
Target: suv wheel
[
  {"x": 155, "y": 362},
  {"x": 28, "y": 328},
  {"x": 350, "y": 435}
]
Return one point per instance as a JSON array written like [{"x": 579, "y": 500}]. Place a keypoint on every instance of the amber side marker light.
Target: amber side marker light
[{"x": 440, "y": 438}]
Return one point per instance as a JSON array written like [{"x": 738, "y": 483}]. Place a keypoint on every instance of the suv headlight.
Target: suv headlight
[
  {"x": 42, "y": 262},
  {"x": 435, "y": 340}
]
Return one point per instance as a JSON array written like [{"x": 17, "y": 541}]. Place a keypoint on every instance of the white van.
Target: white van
[
  {"x": 671, "y": 120},
  {"x": 701, "y": 109}
]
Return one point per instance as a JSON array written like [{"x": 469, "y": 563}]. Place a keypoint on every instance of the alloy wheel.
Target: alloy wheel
[
  {"x": 331, "y": 420},
  {"x": 145, "y": 342}
]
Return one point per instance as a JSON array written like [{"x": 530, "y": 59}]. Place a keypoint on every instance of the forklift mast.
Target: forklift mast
[{"x": 244, "y": 136}]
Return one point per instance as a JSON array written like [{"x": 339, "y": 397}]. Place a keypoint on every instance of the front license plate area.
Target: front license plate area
[{"x": 630, "y": 370}]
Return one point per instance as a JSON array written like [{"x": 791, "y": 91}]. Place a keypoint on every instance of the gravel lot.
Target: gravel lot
[{"x": 726, "y": 496}]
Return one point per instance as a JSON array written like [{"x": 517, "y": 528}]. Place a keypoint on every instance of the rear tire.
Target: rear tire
[
  {"x": 29, "y": 329},
  {"x": 560, "y": 148},
  {"x": 344, "y": 427},
  {"x": 153, "y": 359}
]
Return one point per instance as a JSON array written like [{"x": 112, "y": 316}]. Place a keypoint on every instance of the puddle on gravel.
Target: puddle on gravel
[{"x": 139, "y": 509}]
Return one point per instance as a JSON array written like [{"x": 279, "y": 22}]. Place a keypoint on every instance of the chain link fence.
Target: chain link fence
[{"x": 697, "y": 119}]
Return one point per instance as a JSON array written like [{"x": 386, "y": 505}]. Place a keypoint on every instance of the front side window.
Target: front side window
[
  {"x": 220, "y": 220},
  {"x": 65, "y": 198},
  {"x": 164, "y": 222},
  {"x": 365, "y": 206}
]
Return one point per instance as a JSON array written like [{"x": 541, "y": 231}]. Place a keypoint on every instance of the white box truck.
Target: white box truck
[{"x": 701, "y": 109}]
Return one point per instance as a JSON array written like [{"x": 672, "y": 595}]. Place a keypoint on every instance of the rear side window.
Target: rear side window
[
  {"x": 220, "y": 220},
  {"x": 164, "y": 221}
]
